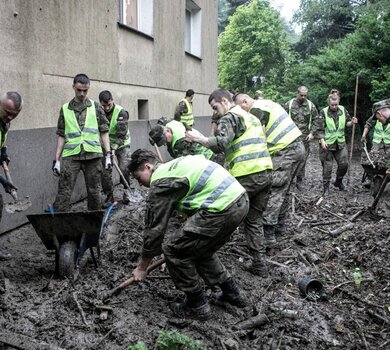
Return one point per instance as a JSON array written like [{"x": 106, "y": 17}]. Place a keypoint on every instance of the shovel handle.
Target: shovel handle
[
  {"x": 379, "y": 194},
  {"x": 131, "y": 280},
  {"x": 121, "y": 174},
  {"x": 155, "y": 146},
  {"x": 9, "y": 179}
]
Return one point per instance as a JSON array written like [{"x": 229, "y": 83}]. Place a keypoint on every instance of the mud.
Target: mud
[{"x": 43, "y": 312}]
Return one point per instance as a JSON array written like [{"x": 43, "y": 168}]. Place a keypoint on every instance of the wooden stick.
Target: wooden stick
[
  {"x": 353, "y": 125},
  {"x": 80, "y": 309},
  {"x": 155, "y": 146},
  {"x": 341, "y": 229}
]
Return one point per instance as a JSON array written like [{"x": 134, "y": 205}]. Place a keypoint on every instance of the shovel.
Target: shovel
[
  {"x": 125, "y": 183},
  {"x": 17, "y": 205}
]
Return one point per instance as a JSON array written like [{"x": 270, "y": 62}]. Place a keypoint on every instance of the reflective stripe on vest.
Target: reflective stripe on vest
[
  {"x": 309, "y": 103},
  {"x": 187, "y": 118},
  {"x": 178, "y": 132},
  {"x": 280, "y": 130},
  {"x": 211, "y": 187},
  {"x": 89, "y": 137},
  {"x": 3, "y": 138},
  {"x": 381, "y": 135},
  {"x": 113, "y": 129},
  {"x": 331, "y": 133},
  {"x": 248, "y": 153}
]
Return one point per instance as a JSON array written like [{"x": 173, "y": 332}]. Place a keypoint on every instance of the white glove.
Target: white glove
[
  {"x": 108, "y": 162},
  {"x": 56, "y": 167}
]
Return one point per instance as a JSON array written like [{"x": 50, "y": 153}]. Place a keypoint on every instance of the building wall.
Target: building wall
[{"x": 46, "y": 42}]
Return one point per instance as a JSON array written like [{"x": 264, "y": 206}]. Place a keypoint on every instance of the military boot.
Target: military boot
[
  {"x": 325, "y": 191},
  {"x": 259, "y": 266},
  {"x": 195, "y": 307},
  {"x": 230, "y": 293},
  {"x": 339, "y": 183},
  {"x": 269, "y": 235}
]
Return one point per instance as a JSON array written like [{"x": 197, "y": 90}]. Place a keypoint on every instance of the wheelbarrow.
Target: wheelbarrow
[{"x": 70, "y": 234}]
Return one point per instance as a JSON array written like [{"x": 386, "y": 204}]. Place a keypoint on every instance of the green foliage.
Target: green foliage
[
  {"x": 172, "y": 340},
  {"x": 324, "y": 20},
  {"x": 138, "y": 346},
  {"x": 252, "y": 45},
  {"x": 225, "y": 9}
]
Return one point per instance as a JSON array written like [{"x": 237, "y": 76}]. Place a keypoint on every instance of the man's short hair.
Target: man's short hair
[
  {"x": 164, "y": 121},
  {"x": 15, "y": 98},
  {"x": 81, "y": 78},
  {"x": 302, "y": 88},
  {"x": 190, "y": 93},
  {"x": 218, "y": 94},
  {"x": 157, "y": 135},
  {"x": 139, "y": 158},
  {"x": 105, "y": 96}
]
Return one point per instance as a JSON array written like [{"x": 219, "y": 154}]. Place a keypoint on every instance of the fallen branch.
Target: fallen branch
[
  {"x": 251, "y": 323},
  {"x": 334, "y": 214},
  {"x": 74, "y": 297},
  {"x": 341, "y": 229}
]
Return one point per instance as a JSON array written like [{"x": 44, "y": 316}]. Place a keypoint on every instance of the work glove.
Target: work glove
[
  {"x": 363, "y": 140},
  {"x": 56, "y": 167},
  {"x": 108, "y": 162},
  {"x": 8, "y": 186},
  {"x": 4, "y": 156}
]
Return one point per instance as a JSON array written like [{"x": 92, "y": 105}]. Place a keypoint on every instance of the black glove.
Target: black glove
[
  {"x": 8, "y": 187},
  {"x": 4, "y": 156}
]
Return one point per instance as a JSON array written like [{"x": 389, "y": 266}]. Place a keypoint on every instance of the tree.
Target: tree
[
  {"x": 252, "y": 47},
  {"x": 225, "y": 9},
  {"x": 324, "y": 20}
]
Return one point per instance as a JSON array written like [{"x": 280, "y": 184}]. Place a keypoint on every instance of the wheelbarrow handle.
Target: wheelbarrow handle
[{"x": 131, "y": 280}]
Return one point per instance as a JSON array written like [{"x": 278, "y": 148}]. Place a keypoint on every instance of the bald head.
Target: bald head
[
  {"x": 10, "y": 106},
  {"x": 244, "y": 101}
]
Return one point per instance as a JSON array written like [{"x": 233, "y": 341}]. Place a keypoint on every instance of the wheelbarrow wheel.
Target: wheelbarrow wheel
[{"x": 67, "y": 256}]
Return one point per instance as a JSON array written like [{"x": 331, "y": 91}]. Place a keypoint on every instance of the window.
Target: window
[
  {"x": 137, "y": 14},
  {"x": 193, "y": 42},
  {"x": 143, "y": 110}
]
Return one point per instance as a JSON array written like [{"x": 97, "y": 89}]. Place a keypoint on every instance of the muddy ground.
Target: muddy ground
[{"x": 43, "y": 312}]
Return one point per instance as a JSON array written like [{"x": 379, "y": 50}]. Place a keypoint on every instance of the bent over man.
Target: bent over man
[
  {"x": 215, "y": 204},
  {"x": 173, "y": 136},
  {"x": 81, "y": 124},
  {"x": 10, "y": 106},
  {"x": 240, "y": 136},
  {"x": 287, "y": 153}
]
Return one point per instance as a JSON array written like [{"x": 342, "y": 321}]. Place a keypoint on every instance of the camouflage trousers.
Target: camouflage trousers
[
  {"x": 123, "y": 157},
  {"x": 302, "y": 168},
  {"x": 190, "y": 252},
  {"x": 285, "y": 167},
  {"x": 258, "y": 187},
  {"x": 326, "y": 158},
  {"x": 92, "y": 169}
]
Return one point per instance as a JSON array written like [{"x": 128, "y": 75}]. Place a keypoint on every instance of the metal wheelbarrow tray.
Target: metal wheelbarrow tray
[{"x": 70, "y": 234}]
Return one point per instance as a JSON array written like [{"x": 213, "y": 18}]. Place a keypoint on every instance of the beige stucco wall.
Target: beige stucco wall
[{"x": 46, "y": 42}]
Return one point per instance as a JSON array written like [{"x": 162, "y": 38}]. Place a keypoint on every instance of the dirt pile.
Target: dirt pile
[{"x": 42, "y": 312}]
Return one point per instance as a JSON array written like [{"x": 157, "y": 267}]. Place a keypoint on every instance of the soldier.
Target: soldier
[
  {"x": 81, "y": 125},
  {"x": 119, "y": 142},
  {"x": 240, "y": 136},
  {"x": 287, "y": 152},
  {"x": 380, "y": 151},
  {"x": 183, "y": 112},
  {"x": 173, "y": 136},
  {"x": 215, "y": 204},
  {"x": 331, "y": 132},
  {"x": 303, "y": 112},
  {"x": 10, "y": 106}
]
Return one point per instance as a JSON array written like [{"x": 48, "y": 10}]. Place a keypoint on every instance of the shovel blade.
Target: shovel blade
[{"x": 18, "y": 206}]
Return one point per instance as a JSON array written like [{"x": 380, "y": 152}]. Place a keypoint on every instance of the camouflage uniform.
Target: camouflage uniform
[
  {"x": 123, "y": 155},
  {"x": 338, "y": 151},
  {"x": 257, "y": 185},
  {"x": 190, "y": 251},
  {"x": 87, "y": 162},
  {"x": 285, "y": 167},
  {"x": 181, "y": 108},
  {"x": 303, "y": 114}
]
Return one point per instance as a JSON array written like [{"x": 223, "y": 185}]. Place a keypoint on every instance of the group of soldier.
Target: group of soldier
[{"x": 264, "y": 147}]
